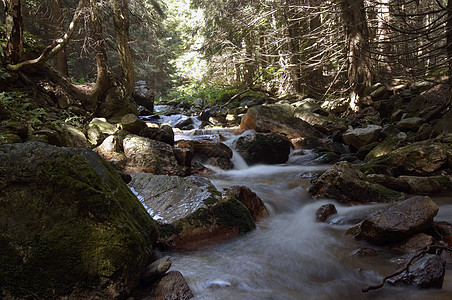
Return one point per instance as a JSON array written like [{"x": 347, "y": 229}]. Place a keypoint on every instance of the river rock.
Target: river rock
[
  {"x": 254, "y": 204},
  {"x": 424, "y": 272},
  {"x": 421, "y": 158},
  {"x": 415, "y": 243},
  {"x": 345, "y": 183},
  {"x": 325, "y": 211},
  {"x": 397, "y": 222},
  {"x": 155, "y": 271},
  {"x": 149, "y": 156},
  {"x": 132, "y": 123},
  {"x": 360, "y": 137},
  {"x": 190, "y": 209},
  {"x": 209, "y": 153},
  {"x": 259, "y": 148},
  {"x": 277, "y": 118},
  {"x": 69, "y": 226},
  {"x": 162, "y": 134},
  {"x": 98, "y": 129}
]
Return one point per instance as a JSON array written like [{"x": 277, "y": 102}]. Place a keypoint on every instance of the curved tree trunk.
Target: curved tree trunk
[{"x": 357, "y": 40}]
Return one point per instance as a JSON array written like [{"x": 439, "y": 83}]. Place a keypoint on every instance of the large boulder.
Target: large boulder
[
  {"x": 190, "y": 209},
  {"x": 415, "y": 185},
  {"x": 69, "y": 226},
  {"x": 397, "y": 222},
  {"x": 132, "y": 123},
  {"x": 259, "y": 148},
  {"x": 345, "y": 183},
  {"x": 360, "y": 137},
  {"x": 421, "y": 158},
  {"x": 277, "y": 118},
  {"x": 150, "y": 156}
]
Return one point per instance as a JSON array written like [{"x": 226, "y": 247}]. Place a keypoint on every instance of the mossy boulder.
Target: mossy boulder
[
  {"x": 190, "y": 209},
  {"x": 69, "y": 225},
  {"x": 346, "y": 184},
  {"x": 421, "y": 158}
]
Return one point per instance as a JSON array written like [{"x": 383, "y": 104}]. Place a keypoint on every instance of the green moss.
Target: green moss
[
  {"x": 168, "y": 230},
  {"x": 440, "y": 180},
  {"x": 371, "y": 168},
  {"x": 233, "y": 213},
  {"x": 200, "y": 218}
]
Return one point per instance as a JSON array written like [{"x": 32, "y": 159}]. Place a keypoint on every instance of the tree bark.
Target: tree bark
[
  {"x": 121, "y": 23},
  {"x": 357, "y": 40},
  {"x": 293, "y": 31},
  {"x": 58, "y": 26},
  {"x": 14, "y": 30}
]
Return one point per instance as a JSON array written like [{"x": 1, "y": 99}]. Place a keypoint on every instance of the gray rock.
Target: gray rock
[
  {"x": 73, "y": 137},
  {"x": 362, "y": 136},
  {"x": 155, "y": 271},
  {"x": 132, "y": 123},
  {"x": 410, "y": 124},
  {"x": 172, "y": 287},
  {"x": 144, "y": 96},
  {"x": 397, "y": 222}
]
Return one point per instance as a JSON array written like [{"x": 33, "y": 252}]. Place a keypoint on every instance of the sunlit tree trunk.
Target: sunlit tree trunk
[
  {"x": 58, "y": 27},
  {"x": 121, "y": 23},
  {"x": 357, "y": 35},
  {"x": 14, "y": 30}
]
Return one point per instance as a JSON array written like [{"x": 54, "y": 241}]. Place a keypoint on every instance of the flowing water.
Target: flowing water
[{"x": 290, "y": 255}]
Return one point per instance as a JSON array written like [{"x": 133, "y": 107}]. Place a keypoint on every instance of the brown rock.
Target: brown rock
[
  {"x": 325, "y": 211},
  {"x": 250, "y": 200}
]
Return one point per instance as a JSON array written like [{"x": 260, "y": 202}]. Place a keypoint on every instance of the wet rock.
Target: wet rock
[
  {"x": 246, "y": 196},
  {"x": 258, "y": 148},
  {"x": 360, "y": 137},
  {"x": 277, "y": 118},
  {"x": 414, "y": 184},
  {"x": 325, "y": 211},
  {"x": 144, "y": 96},
  {"x": 364, "y": 252},
  {"x": 442, "y": 231},
  {"x": 191, "y": 210},
  {"x": 425, "y": 272},
  {"x": 421, "y": 158},
  {"x": 414, "y": 243},
  {"x": 397, "y": 222},
  {"x": 389, "y": 144},
  {"x": 132, "y": 124},
  {"x": 209, "y": 153},
  {"x": 71, "y": 228},
  {"x": 410, "y": 124},
  {"x": 347, "y": 184},
  {"x": 149, "y": 156}
]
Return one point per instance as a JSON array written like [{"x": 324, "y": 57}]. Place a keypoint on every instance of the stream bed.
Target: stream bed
[{"x": 290, "y": 255}]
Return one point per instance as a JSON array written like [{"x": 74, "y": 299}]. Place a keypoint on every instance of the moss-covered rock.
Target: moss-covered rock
[
  {"x": 69, "y": 226},
  {"x": 345, "y": 183},
  {"x": 190, "y": 209}
]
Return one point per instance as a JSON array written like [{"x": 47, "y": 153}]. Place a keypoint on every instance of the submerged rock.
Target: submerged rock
[
  {"x": 425, "y": 272},
  {"x": 346, "y": 184},
  {"x": 69, "y": 225},
  {"x": 325, "y": 211},
  {"x": 397, "y": 222},
  {"x": 190, "y": 209}
]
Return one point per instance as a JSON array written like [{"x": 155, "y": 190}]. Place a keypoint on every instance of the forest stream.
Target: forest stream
[{"x": 290, "y": 255}]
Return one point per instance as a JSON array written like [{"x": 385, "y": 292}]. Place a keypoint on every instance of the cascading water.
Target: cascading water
[{"x": 290, "y": 255}]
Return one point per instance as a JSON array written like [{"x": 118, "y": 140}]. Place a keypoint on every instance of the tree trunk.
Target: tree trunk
[
  {"x": 121, "y": 23},
  {"x": 357, "y": 41},
  {"x": 58, "y": 27},
  {"x": 293, "y": 31},
  {"x": 103, "y": 82},
  {"x": 14, "y": 30}
]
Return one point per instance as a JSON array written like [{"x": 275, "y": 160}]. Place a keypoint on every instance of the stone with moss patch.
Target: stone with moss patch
[{"x": 69, "y": 226}]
